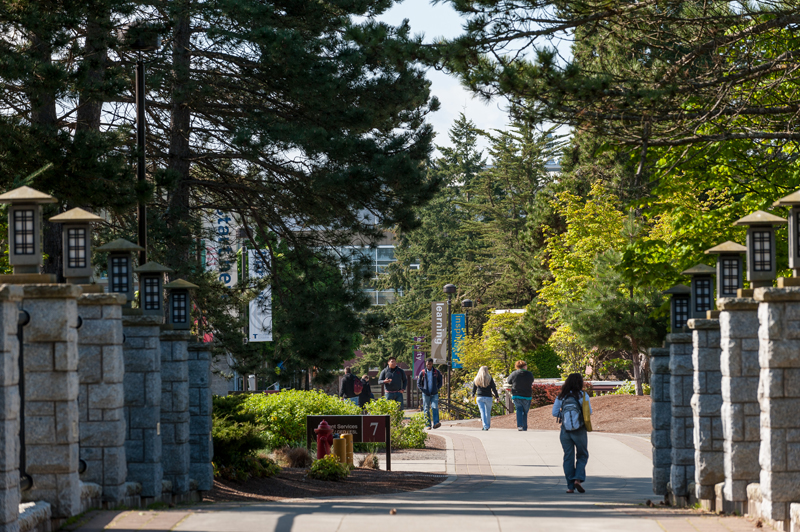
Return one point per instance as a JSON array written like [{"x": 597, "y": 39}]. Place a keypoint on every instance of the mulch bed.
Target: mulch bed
[
  {"x": 293, "y": 483},
  {"x": 620, "y": 414}
]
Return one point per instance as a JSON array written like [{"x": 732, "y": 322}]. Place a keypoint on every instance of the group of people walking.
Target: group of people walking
[{"x": 572, "y": 407}]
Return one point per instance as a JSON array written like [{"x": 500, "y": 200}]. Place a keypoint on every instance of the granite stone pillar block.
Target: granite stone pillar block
[
  {"x": 175, "y": 408},
  {"x": 101, "y": 396},
  {"x": 661, "y": 418},
  {"x": 709, "y": 468},
  {"x": 142, "y": 385},
  {"x": 738, "y": 320},
  {"x": 201, "y": 448},
  {"x": 10, "y": 296},
  {"x": 682, "y": 425},
  {"x": 50, "y": 363},
  {"x": 779, "y": 399}
]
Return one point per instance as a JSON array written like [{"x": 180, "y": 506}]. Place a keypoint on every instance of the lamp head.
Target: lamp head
[
  {"x": 467, "y": 303},
  {"x": 449, "y": 288}
]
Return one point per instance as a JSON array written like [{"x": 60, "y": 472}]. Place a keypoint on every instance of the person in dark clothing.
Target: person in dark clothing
[
  {"x": 366, "y": 392},
  {"x": 521, "y": 381},
  {"x": 429, "y": 382},
  {"x": 574, "y": 442},
  {"x": 485, "y": 387},
  {"x": 394, "y": 381},
  {"x": 347, "y": 386}
]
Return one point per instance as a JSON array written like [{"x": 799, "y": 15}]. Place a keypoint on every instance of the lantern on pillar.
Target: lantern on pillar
[
  {"x": 25, "y": 228},
  {"x": 729, "y": 267},
  {"x": 179, "y": 304},
  {"x": 793, "y": 201},
  {"x": 702, "y": 291},
  {"x": 76, "y": 234},
  {"x": 761, "y": 267},
  {"x": 151, "y": 288},
  {"x": 679, "y": 306},
  {"x": 120, "y": 266}
]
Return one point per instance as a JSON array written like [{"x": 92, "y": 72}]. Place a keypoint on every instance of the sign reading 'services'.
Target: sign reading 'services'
[{"x": 439, "y": 332}]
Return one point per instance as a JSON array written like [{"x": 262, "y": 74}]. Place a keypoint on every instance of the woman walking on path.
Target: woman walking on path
[
  {"x": 568, "y": 408},
  {"x": 485, "y": 387}
]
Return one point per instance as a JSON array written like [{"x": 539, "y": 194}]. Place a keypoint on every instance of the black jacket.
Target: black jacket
[
  {"x": 398, "y": 377},
  {"x": 421, "y": 380},
  {"x": 521, "y": 382},
  {"x": 366, "y": 394},
  {"x": 485, "y": 391},
  {"x": 346, "y": 386}
]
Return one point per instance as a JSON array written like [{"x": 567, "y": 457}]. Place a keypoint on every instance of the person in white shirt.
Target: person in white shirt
[{"x": 574, "y": 436}]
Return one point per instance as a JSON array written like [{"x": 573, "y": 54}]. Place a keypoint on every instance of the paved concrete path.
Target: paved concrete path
[{"x": 501, "y": 480}]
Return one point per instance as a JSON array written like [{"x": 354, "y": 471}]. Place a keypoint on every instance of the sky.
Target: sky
[{"x": 441, "y": 20}]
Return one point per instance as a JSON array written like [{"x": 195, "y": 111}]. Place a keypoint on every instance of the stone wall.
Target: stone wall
[
  {"x": 201, "y": 448},
  {"x": 738, "y": 321},
  {"x": 51, "y": 396},
  {"x": 661, "y": 418},
  {"x": 706, "y": 406},
  {"x": 175, "y": 409},
  {"x": 142, "y": 383},
  {"x": 101, "y": 368},
  {"x": 682, "y": 426},
  {"x": 779, "y": 400},
  {"x": 9, "y": 415}
]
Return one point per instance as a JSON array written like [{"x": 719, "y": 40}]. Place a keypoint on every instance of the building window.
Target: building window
[
  {"x": 681, "y": 306},
  {"x": 730, "y": 276},
  {"x": 151, "y": 299},
  {"x": 23, "y": 232},
  {"x": 762, "y": 251},
  {"x": 702, "y": 295},
  {"x": 179, "y": 304},
  {"x": 76, "y": 247},
  {"x": 119, "y": 274}
]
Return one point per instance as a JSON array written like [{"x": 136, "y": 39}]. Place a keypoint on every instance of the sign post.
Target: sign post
[{"x": 365, "y": 429}]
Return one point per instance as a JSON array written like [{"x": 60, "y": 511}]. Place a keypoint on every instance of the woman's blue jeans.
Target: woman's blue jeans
[
  {"x": 522, "y": 406},
  {"x": 576, "y": 453},
  {"x": 485, "y": 406}
]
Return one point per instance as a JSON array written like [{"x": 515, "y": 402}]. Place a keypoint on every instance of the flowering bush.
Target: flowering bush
[{"x": 283, "y": 415}]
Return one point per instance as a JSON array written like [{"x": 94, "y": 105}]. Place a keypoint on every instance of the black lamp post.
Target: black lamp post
[
  {"x": 466, "y": 305},
  {"x": 141, "y": 39},
  {"x": 449, "y": 289}
]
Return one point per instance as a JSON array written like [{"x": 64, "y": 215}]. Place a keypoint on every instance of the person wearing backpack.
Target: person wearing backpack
[
  {"x": 568, "y": 408},
  {"x": 350, "y": 386},
  {"x": 429, "y": 382}
]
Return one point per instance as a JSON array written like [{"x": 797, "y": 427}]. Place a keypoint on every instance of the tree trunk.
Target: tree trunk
[{"x": 95, "y": 58}]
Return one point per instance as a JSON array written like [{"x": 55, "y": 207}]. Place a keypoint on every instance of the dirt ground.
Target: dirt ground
[{"x": 620, "y": 414}]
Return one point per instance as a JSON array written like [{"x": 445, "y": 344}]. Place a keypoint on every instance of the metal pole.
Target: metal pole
[
  {"x": 25, "y": 480},
  {"x": 449, "y": 351},
  {"x": 140, "y": 174}
]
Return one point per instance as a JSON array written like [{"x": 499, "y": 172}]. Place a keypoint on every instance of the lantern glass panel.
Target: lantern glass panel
[
  {"x": 76, "y": 247},
  {"x": 23, "y": 232},
  {"x": 730, "y": 276},
  {"x": 681, "y": 311},
  {"x": 762, "y": 251},
  {"x": 702, "y": 295},
  {"x": 152, "y": 301},
  {"x": 119, "y": 274},
  {"x": 179, "y": 307}
]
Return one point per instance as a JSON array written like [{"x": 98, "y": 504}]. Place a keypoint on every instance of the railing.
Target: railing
[{"x": 455, "y": 410}]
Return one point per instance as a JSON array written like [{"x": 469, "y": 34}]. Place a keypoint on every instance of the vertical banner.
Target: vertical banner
[
  {"x": 260, "y": 329},
  {"x": 459, "y": 332},
  {"x": 220, "y": 250},
  {"x": 419, "y": 356},
  {"x": 439, "y": 332}
]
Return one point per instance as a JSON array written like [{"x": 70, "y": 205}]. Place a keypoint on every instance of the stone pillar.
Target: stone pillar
[
  {"x": 709, "y": 469},
  {"x": 201, "y": 448},
  {"x": 142, "y": 354},
  {"x": 738, "y": 321},
  {"x": 682, "y": 430},
  {"x": 779, "y": 399},
  {"x": 50, "y": 363},
  {"x": 101, "y": 396},
  {"x": 661, "y": 418},
  {"x": 175, "y": 408},
  {"x": 10, "y": 296}
]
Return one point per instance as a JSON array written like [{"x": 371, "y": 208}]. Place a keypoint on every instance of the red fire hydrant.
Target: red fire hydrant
[{"x": 324, "y": 439}]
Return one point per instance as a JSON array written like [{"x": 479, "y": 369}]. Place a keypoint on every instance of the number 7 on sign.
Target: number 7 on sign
[{"x": 374, "y": 427}]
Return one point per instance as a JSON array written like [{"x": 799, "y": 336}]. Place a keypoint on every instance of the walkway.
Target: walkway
[{"x": 504, "y": 481}]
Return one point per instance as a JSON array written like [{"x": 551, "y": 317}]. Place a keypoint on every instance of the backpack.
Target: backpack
[
  {"x": 358, "y": 386},
  {"x": 571, "y": 414}
]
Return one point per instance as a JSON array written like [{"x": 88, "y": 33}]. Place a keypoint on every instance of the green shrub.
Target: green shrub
[
  {"x": 544, "y": 362},
  {"x": 328, "y": 468},
  {"x": 383, "y": 407},
  {"x": 283, "y": 415},
  {"x": 234, "y": 440},
  {"x": 413, "y": 435},
  {"x": 629, "y": 388},
  {"x": 246, "y": 467}
]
